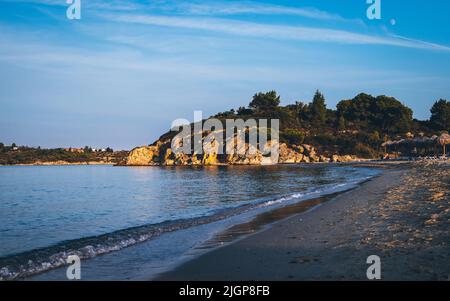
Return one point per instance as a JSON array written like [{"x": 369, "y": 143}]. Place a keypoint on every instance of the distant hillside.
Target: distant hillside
[{"x": 10, "y": 155}]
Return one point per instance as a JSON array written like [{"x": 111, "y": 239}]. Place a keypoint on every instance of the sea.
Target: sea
[{"x": 133, "y": 223}]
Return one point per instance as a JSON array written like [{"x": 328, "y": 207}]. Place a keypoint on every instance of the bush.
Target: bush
[
  {"x": 292, "y": 136},
  {"x": 364, "y": 151}
]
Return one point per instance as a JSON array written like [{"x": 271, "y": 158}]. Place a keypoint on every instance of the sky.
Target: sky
[{"x": 121, "y": 74}]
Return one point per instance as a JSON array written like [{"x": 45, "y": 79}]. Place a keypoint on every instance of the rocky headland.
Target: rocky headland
[
  {"x": 363, "y": 127},
  {"x": 160, "y": 153}
]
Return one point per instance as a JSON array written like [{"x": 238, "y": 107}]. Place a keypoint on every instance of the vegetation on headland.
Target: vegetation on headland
[
  {"x": 13, "y": 154},
  {"x": 358, "y": 126}
]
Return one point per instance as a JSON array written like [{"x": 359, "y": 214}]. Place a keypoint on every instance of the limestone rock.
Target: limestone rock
[
  {"x": 142, "y": 156},
  {"x": 161, "y": 153},
  {"x": 289, "y": 155}
]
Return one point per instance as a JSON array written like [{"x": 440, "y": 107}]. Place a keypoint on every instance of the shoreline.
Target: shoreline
[
  {"x": 333, "y": 241},
  {"x": 60, "y": 163},
  {"x": 63, "y": 163},
  {"x": 311, "y": 234},
  {"x": 375, "y": 162},
  {"x": 238, "y": 215}
]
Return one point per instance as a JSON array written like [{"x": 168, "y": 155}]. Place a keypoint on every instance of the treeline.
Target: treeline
[
  {"x": 13, "y": 154},
  {"x": 358, "y": 126}
]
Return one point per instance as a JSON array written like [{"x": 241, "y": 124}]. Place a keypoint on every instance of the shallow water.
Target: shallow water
[{"x": 47, "y": 212}]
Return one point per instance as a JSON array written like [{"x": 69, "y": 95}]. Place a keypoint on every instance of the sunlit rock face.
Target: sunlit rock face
[
  {"x": 161, "y": 153},
  {"x": 142, "y": 156}
]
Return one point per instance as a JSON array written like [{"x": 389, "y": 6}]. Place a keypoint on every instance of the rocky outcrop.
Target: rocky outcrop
[
  {"x": 144, "y": 155},
  {"x": 161, "y": 153},
  {"x": 343, "y": 159}
]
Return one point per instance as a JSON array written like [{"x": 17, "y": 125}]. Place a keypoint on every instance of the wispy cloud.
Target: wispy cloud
[
  {"x": 112, "y": 5},
  {"x": 251, "y": 29},
  {"x": 200, "y": 15},
  {"x": 198, "y": 7},
  {"x": 246, "y": 7},
  {"x": 122, "y": 65}
]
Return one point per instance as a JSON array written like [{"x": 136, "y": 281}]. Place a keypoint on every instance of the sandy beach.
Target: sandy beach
[{"x": 402, "y": 216}]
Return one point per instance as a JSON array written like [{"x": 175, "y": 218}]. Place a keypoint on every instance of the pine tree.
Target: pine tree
[{"x": 318, "y": 109}]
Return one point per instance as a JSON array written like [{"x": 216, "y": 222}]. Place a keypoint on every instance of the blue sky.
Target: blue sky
[{"x": 119, "y": 76}]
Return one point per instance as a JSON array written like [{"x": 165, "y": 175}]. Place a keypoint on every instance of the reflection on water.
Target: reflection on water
[
  {"x": 40, "y": 206},
  {"x": 66, "y": 206}
]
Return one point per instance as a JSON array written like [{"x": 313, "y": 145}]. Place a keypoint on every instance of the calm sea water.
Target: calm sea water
[{"x": 47, "y": 212}]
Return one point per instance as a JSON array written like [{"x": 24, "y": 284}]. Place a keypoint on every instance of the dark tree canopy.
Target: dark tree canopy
[
  {"x": 265, "y": 101},
  {"x": 382, "y": 113},
  {"x": 318, "y": 109},
  {"x": 244, "y": 111},
  {"x": 440, "y": 115}
]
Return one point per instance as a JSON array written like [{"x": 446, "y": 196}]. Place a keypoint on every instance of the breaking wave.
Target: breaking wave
[{"x": 36, "y": 261}]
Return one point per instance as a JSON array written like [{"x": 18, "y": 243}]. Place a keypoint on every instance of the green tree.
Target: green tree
[
  {"x": 440, "y": 115},
  {"x": 13, "y": 145},
  {"x": 383, "y": 114},
  {"x": 355, "y": 111},
  {"x": 318, "y": 109},
  {"x": 265, "y": 101},
  {"x": 390, "y": 115},
  {"x": 292, "y": 136},
  {"x": 244, "y": 111}
]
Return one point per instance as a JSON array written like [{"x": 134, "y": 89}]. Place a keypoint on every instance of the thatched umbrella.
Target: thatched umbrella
[{"x": 443, "y": 140}]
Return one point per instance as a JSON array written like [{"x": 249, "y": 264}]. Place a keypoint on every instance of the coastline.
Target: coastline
[
  {"x": 284, "y": 185},
  {"x": 392, "y": 215},
  {"x": 60, "y": 163},
  {"x": 274, "y": 244},
  {"x": 64, "y": 163}
]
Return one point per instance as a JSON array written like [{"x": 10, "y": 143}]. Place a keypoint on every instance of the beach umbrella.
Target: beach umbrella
[{"x": 443, "y": 140}]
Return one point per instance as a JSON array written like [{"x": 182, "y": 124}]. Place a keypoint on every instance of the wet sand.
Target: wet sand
[{"x": 402, "y": 216}]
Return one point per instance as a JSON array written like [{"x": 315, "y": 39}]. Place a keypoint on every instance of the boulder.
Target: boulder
[
  {"x": 143, "y": 155},
  {"x": 182, "y": 159},
  {"x": 342, "y": 159},
  {"x": 307, "y": 148},
  {"x": 194, "y": 160},
  {"x": 210, "y": 159},
  {"x": 323, "y": 159},
  {"x": 169, "y": 157},
  {"x": 289, "y": 155}
]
